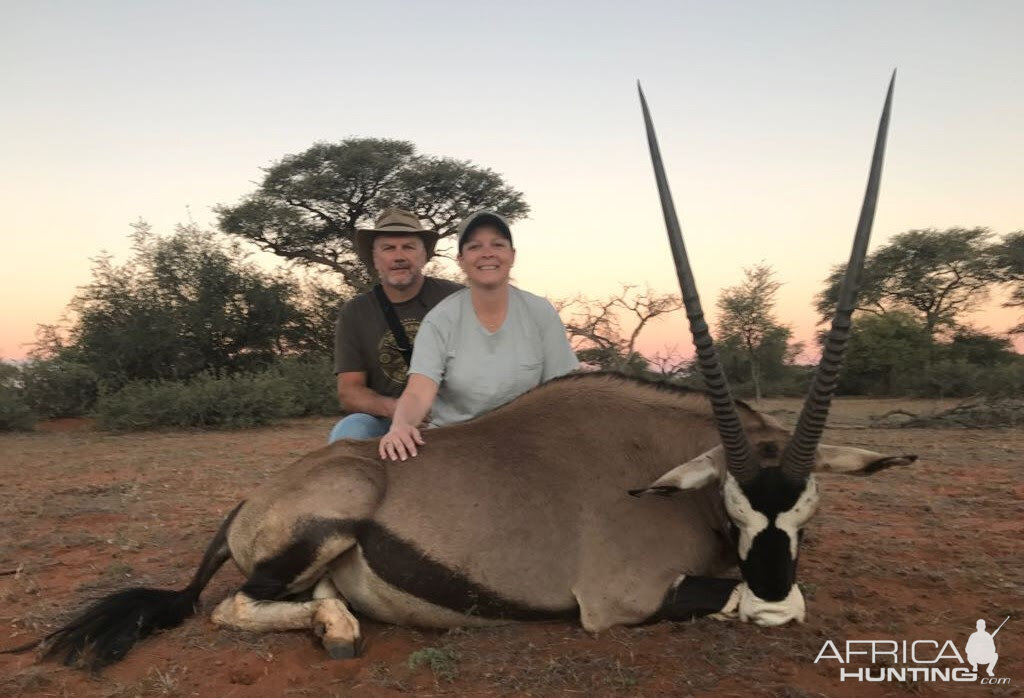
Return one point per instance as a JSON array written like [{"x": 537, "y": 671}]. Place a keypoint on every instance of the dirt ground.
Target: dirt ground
[{"x": 910, "y": 554}]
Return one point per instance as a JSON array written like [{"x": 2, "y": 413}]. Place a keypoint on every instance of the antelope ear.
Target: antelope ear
[
  {"x": 856, "y": 461},
  {"x": 692, "y": 475}
]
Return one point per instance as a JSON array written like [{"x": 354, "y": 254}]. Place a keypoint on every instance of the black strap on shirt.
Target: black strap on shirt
[{"x": 401, "y": 338}]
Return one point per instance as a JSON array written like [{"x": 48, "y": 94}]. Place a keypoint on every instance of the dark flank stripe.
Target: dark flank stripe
[
  {"x": 399, "y": 563},
  {"x": 405, "y": 567},
  {"x": 271, "y": 578}
]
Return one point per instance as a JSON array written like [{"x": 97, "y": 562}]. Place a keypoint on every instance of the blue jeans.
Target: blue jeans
[{"x": 359, "y": 425}]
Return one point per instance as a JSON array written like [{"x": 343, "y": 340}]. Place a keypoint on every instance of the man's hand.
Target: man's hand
[{"x": 400, "y": 442}]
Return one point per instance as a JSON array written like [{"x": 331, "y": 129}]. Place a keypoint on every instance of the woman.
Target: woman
[{"x": 480, "y": 347}]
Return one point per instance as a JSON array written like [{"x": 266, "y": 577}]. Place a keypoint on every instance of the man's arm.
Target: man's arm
[
  {"x": 351, "y": 365},
  {"x": 355, "y": 396}
]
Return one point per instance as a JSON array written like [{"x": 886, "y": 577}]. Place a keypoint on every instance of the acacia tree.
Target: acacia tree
[
  {"x": 936, "y": 275},
  {"x": 671, "y": 363},
  {"x": 309, "y": 205},
  {"x": 595, "y": 326},
  {"x": 746, "y": 321},
  {"x": 1009, "y": 264}
]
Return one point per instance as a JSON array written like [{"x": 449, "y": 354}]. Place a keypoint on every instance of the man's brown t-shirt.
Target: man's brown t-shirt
[{"x": 363, "y": 342}]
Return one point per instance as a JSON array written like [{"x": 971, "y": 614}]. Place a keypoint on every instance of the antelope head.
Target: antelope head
[{"x": 766, "y": 478}]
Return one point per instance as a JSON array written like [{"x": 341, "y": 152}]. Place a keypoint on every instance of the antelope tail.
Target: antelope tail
[{"x": 105, "y": 631}]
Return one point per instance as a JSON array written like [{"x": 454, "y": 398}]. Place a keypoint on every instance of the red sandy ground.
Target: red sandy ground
[{"x": 916, "y": 553}]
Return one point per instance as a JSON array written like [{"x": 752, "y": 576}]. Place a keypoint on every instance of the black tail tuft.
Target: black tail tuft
[{"x": 104, "y": 632}]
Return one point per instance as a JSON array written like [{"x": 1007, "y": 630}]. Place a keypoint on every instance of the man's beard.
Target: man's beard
[{"x": 401, "y": 278}]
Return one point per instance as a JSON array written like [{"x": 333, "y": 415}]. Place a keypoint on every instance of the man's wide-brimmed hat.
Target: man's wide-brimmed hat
[{"x": 393, "y": 221}]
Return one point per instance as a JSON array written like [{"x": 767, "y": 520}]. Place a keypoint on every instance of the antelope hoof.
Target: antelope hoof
[
  {"x": 341, "y": 649},
  {"x": 337, "y": 629}
]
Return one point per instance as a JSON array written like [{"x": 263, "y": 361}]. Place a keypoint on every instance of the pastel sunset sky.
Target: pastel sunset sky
[{"x": 766, "y": 114}]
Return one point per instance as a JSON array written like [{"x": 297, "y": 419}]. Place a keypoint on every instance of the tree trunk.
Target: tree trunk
[{"x": 755, "y": 375}]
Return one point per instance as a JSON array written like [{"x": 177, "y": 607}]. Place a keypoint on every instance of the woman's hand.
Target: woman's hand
[{"x": 400, "y": 442}]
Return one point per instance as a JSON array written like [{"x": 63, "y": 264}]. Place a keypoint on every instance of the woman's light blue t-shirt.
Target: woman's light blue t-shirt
[{"x": 476, "y": 370}]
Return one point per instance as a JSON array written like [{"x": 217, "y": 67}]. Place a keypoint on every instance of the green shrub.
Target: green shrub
[
  {"x": 58, "y": 388},
  {"x": 960, "y": 378},
  {"x": 792, "y": 381},
  {"x": 15, "y": 415},
  {"x": 208, "y": 400},
  {"x": 1006, "y": 380},
  {"x": 10, "y": 374},
  {"x": 941, "y": 379},
  {"x": 886, "y": 355},
  {"x": 443, "y": 662},
  {"x": 314, "y": 384}
]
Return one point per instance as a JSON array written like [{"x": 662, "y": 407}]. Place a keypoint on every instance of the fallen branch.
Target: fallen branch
[{"x": 898, "y": 410}]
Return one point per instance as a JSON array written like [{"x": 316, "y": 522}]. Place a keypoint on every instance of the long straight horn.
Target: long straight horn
[
  {"x": 734, "y": 439},
  {"x": 798, "y": 458}
]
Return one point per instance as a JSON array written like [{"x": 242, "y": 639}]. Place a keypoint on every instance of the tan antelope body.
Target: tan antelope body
[{"x": 527, "y": 505}]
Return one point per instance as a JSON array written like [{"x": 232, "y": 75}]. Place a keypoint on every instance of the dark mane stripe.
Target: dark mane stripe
[{"x": 663, "y": 386}]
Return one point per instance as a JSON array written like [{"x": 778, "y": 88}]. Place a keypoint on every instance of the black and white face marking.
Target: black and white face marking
[{"x": 767, "y": 516}]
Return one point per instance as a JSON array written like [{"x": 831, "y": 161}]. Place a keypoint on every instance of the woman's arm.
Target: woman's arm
[{"x": 400, "y": 442}]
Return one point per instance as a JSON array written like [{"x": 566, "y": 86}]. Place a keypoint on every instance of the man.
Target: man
[{"x": 371, "y": 349}]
